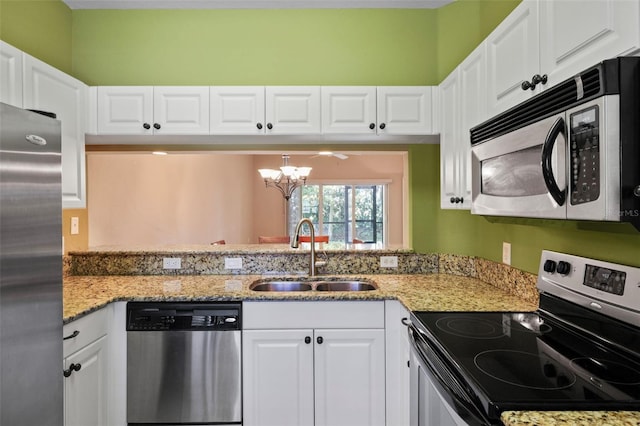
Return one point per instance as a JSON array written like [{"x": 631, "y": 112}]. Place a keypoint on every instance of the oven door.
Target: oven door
[
  {"x": 522, "y": 173},
  {"x": 437, "y": 396}
]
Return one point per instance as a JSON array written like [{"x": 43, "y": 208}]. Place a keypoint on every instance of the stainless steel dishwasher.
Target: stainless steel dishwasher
[{"x": 183, "y": 363}]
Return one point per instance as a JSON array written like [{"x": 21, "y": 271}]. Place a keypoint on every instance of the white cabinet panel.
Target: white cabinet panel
[
  {"x": 125, "y": 110},
  {"x": 85, "y": 390},
  {"x": 182, "y": 110},
  {"x": 278, "y": 377},
  {"x": 349, "y": 377},
  {"x": 237, "y": 110},
  {"x": 292, "y": 109},
  {"x": 10, "y": 75},
  {"x": 349, "y": 109},
  {"x": 48, "y": 89},
  {"x": 578, "y": 34},
  {"x": 512, "y": 57},
  {"x": 404, "y": 110},
  {"x": 449, "y": 133},
  {"x": 397, "y": 351}
]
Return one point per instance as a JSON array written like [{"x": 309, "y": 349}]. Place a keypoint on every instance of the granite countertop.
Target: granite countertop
[{"x": 435, "y": 292}]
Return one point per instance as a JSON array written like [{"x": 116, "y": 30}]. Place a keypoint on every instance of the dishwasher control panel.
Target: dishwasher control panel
[{"x": 168, "y": 316}]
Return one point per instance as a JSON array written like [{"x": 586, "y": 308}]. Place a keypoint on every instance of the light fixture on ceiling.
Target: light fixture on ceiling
[{"x": 287, "y": 179}]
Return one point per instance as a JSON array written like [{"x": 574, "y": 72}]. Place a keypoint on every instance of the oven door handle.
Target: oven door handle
[
  {"x": 547, "y": 171},
  {"x": 460, "y": 396}
]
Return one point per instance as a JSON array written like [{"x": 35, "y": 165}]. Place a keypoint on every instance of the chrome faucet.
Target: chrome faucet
[{"x": 296, "y": 237}]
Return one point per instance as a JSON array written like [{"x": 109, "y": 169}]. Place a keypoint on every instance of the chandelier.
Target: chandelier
[{"x": 287, "y": 179}]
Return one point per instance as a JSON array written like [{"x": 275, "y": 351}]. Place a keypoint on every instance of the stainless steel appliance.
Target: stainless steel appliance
[
  {"x": 579, "y": 351},
  {"x": 31, "y": 386},
  {"x": 183, "y": 363},
  {"x": 571, "y": 152}
]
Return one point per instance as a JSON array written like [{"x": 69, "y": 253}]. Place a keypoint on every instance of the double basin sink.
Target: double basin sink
[{"x": 317, "y": 285}]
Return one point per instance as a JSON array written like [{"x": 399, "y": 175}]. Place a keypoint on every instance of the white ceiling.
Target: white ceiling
[{"x": 256, "y": 4}]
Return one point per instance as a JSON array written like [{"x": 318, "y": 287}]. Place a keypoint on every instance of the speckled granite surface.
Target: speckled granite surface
[{"x": 571, "y": 418}]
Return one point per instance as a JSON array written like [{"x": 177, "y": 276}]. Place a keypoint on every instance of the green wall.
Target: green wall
[
  {"x": 40, "y": 28},
  {"x": 255, "y": 47},
  {"x": 341, "y": 47}
]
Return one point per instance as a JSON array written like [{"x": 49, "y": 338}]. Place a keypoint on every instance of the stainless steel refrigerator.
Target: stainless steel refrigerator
[{"x": 31, "y": 386}]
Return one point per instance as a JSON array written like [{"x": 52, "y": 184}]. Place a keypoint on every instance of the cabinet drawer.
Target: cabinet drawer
[
  {"x": 283, "y": 315},
  {"x": 89, "y": 329}
]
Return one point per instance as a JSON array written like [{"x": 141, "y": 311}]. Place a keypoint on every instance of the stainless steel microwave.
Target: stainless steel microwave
[{"x": 570, "y": 152}]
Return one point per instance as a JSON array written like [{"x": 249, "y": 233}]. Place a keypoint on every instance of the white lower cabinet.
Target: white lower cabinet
[
  {"x": 398, "y": 353},
  {"x": 314, "y": 375}
]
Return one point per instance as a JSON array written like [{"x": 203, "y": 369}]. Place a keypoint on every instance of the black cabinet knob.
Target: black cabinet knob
[
  {"x": 382, "y": 125},
  {"x": 259, "y": 126},
  {"x": 72, "y": 368},
  {"x": 269, "y": 126},
  {"x": 156, "y": 126},
  {"x": 307, "y": 340},
  {"x": 539, "y": 79},
  {"x": 146, "y": 126},
  {"x": 319, "y": 340},
  {"x": 372, "y": 126},
  {"x": 527, "y": 85}
]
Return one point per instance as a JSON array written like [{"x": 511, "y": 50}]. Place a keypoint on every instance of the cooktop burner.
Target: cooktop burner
[
  {"x": 483, "y": 328},
  {"x": 608, "y": 371}
]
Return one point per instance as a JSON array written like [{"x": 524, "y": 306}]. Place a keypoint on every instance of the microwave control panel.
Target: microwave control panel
[{"x": 584, "y": 137}]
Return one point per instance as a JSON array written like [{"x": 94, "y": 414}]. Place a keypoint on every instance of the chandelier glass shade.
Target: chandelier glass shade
[{"x": 287, "y": 179}]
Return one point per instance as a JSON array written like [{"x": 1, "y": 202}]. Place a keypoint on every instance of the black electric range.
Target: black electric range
[{"x": 579, "y": 351}]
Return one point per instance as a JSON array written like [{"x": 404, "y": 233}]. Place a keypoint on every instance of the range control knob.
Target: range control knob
[
  {"x": 563, "y": 268},
  {"x": 549, "y": 266}
]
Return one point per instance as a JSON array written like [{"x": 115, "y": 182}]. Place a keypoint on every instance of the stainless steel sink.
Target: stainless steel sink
[
  {"x": 319, "y": 285},
  {"x": 345, "y": 286},
  {"x": 280, "y": 286}
]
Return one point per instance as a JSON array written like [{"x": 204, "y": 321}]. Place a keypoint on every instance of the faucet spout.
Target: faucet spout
[{"x": 295, "y": 243}]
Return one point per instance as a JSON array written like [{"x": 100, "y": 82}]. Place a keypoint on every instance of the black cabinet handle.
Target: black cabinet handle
[
  {"x": 372, "y": 126},
  {"x": 307, "y": 340},
  {"x": 456, "y": 200},
  {"x": 539, "y": 79},
  {"x": 259, "y": 126},
  {"x": 269, "y": 126},
  {"x": 452, "y": 200},
  {"x": 156, "y": 126},
  {"x": 72, "y": 335},
  {"x": 72, "y": 368},
  {"x": 405, "y": 321},
  {"x": 319, "y": 340},
  {"x": 146, "y": 126},
  {"x": 382, "y": 125}
]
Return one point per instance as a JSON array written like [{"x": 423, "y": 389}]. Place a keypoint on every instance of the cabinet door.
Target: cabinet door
[
  {"x": 10, "y": 75},
  {"x": 125, "y": 110},
  {"x": 349, "y": 109},
  {"x": 449, "y": 134},
  {"x": 350, "y": 377},
  {"x": 48, "y": 89},
  {"x": 512, "y": 57},
  {"x": 576, "y": 35},
  {"x": 404, "y": 110},
  {"x": 181, "y": 110},
  {"x": 292, "y": 109},
  {"x": 473, "y": 111},
  {"x": 277, "y": 377},
  {"x": 237, "y": 110},
  {"x": 397, "y": 363},
  {"x": 85, "y": 390}
]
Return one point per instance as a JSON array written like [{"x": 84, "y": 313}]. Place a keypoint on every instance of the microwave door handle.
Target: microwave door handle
[{"x": 547, "y": 171}]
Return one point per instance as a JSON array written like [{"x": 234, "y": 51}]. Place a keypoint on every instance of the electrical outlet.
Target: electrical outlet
[
  {"x": 75, "y": 225},
  {"x": 388, "y": 261},
  {"x": 232, "y": 263},
  {"x": 171, "y": 263},
  {"x": 506, "y": 253}
]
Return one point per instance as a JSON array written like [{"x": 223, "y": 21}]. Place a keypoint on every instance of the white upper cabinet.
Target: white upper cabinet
[
  {"x": 48, "y": 89},
  {"x": 575, "y": 35},
  {"x": 404, "y": 110},
  {"x": 292, "y": 110},
  {"x": 148, "y": 110},
  {"x": 10, "y": 75},
  {"x": 349, "y": 109},
  {"x": 449, "y": 107},
  {"x": 237, "y": 110},
  {"x": 512, "y": 57}
]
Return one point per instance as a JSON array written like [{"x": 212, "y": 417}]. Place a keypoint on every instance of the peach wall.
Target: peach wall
[
  {"x": 181, "y": 198},
  {"x": 143, "y": 199}
]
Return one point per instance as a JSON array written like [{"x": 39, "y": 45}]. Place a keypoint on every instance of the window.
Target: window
[{"x": 343, "y": 212}]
